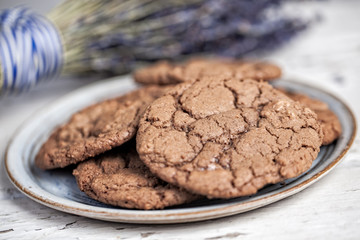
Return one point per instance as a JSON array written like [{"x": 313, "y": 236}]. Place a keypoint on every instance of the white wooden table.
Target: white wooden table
[{"x": 326, "y": 56}]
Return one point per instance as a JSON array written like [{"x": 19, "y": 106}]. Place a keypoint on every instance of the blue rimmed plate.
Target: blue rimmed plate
[{"x": 58, "y": 189}]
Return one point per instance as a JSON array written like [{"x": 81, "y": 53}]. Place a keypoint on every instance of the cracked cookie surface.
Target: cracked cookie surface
[
  {"x": 225, "y": 137},
  {"x": 330, "y": 123},
  {"x": 96, "y": 129},
  {"x": 118, "y": 177},
  {"x": 167, "y": 73}
]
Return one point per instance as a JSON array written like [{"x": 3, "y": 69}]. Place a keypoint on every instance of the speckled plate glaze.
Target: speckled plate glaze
[{"x": 57, "y": 188}]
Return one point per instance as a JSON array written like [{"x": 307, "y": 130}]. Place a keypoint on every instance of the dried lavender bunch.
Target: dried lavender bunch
[{"x": 116, "y": 37}]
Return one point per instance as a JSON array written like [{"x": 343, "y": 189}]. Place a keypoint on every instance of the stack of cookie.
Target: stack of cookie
[{"x": 204, "y": 128}]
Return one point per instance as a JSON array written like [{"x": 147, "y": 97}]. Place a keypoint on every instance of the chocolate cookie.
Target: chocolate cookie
[
  {"x": 96, "y": 129},
  {"x": 119, "y": 178},
  {"x": 330, "y": 123},
  {"x": 225, "y": 137},
  {"x": 167, "y": 73}
]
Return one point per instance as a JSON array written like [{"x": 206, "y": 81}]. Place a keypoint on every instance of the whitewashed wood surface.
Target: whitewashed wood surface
[{"x": 326, "y": 56}]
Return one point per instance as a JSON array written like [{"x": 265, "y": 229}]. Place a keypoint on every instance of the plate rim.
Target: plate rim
[{"x": 169, "y": 215}]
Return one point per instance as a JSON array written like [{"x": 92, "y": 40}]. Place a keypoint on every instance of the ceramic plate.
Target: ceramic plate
[{"x": 57, "y": 188}]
